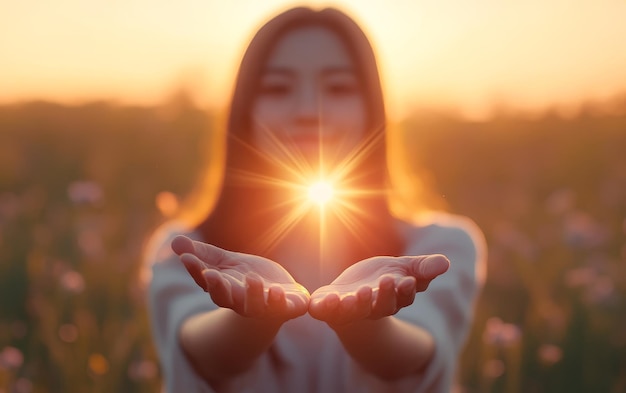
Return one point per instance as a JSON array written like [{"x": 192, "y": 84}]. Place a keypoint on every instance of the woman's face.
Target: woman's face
[{"x": 310, "y": 98}]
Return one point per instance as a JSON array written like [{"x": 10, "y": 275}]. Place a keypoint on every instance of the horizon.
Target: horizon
[{"x": 523, "y": 56}]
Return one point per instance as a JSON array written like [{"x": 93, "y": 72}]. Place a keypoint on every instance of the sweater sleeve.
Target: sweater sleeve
[
  {"x": 446, "y": 308},
  {"x": 173, "y": 297}
]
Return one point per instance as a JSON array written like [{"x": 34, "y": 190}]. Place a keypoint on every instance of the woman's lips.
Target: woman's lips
[
  {"x": 306, "y": 139},
  {"x": 313, "y": 139}
]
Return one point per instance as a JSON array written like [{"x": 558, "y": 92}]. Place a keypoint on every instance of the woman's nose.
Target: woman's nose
[{"x": 308, "y": 105}]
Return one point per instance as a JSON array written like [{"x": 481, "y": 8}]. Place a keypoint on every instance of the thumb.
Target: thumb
[
  {"x": 182, "y": 245},
  {"x": 206, "y": 252},
  {"x": 430, "y": 266}
]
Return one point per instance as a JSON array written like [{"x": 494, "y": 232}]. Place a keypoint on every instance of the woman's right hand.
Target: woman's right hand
[{"x": 250, "y": 285}]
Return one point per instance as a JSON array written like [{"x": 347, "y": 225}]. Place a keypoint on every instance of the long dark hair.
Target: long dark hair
[{"x": 241, "y": 213}]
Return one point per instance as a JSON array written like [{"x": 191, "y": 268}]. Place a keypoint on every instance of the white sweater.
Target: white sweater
[{"x": 306, "y": 355}]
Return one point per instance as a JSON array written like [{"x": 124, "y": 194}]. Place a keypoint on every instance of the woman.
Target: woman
[{"x": 299, "y": 297}]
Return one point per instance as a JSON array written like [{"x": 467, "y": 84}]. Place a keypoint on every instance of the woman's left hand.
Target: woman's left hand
[{"x": 375, "y": 287}]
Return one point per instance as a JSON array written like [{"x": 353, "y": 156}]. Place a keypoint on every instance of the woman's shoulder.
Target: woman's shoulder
[
  {"x": 440, "y": 230},
  {"x": 439, "y": 223}
]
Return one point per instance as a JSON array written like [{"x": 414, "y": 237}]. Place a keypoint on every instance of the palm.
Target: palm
[
  {"x": 375, "y": 287},
  {"x": 248, "y": 284}
]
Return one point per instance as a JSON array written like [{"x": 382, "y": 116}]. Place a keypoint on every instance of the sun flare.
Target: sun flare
[
  {"x": 329, "y": 191},
  {"x": 320, "y": 192}
]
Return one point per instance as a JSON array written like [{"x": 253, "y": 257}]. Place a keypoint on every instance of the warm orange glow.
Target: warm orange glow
[
  {"x": 321, "y": 192},
  {"x": 329, "y": 182},
  {"x": 456, "y": 54}
]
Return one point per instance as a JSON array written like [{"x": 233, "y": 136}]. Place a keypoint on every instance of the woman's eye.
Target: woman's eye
[
  {"x": 275, "y": 89},
  {"x": 341, "y": 89}
]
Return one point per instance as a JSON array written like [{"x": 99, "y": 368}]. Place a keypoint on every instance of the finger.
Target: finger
[
  {"x": 405, "y": 290},
  {"x": 364, "y": 296},
  {"x": 353, "y": 307},
  {"x": 385, "y": 303},
  {"x": 219, "y": 288},
  {"x": 347, "y": 304},
  {"x": 276, "y": 300},
  {"x": 194, "y": 267},
  {"x": 297, "y": 299},
  {"x": 254, "y": 305},
  {"x": 296, "y": 304},
  {"x": 321, "y": 307},
  {"x": 322, "y": 304}
]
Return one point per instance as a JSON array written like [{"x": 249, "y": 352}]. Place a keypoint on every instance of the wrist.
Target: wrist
[
  {"x": 362, "y": 325},
  {"x": 259, "y": 324}
]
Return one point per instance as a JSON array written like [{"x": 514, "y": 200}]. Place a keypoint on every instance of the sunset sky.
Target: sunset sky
[{"x": 461, "y": 54}]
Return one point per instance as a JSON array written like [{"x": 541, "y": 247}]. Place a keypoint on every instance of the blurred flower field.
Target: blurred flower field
[
  {"x": 81, "y": 187},
  {"x": 550, "y": 194}
]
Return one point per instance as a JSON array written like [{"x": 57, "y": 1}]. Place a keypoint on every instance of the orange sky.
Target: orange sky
[{"x": 433, "y": 53}]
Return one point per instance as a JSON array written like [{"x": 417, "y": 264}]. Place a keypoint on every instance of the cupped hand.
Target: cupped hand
[
  {"x": 250, "y": 285},
  {"x": 374, "y": 288}
]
